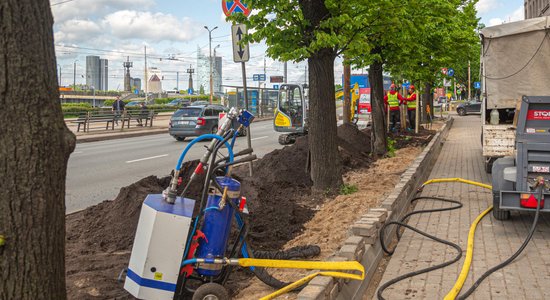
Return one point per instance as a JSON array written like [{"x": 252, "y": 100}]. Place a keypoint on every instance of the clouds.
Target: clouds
[
  {"x": 77, "y": 31},
  {"x": 485, "y": 6},
  {"x": 149, "y": 26},
  {"x": 516, "y": 15},
  {"x": 93, "y": 9}
]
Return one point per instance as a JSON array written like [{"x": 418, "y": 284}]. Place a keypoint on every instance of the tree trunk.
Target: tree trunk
[
  {"x": 428, "y": 100},
  {"x": 36, "y": 145},
  {"x": 347, "y": 94},
  {"x": 326, "y": 172},
  {"x": 378, "y": 114}
]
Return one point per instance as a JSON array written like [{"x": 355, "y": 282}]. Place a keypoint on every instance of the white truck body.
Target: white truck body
[{"x": 515, "y": 61}]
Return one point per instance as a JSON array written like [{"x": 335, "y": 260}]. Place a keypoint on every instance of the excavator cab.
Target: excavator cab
[{"x": 291, "y": 115}]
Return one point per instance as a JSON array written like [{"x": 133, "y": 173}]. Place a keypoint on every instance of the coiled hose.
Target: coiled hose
[{"x": 401, "y": 223}]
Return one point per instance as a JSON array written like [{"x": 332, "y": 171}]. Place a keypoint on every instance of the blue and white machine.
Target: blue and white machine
[{"x": 158, "y": 247}]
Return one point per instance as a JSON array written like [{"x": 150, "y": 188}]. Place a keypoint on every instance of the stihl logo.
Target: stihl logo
[{"x": 538, "y": 115}]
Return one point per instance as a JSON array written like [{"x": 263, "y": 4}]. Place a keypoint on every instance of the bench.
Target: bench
[
  {"x": 88, "y": 118},
  {"x": 142, "y": 116}
]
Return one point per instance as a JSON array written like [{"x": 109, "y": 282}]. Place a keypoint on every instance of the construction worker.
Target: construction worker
[
  {"x": 411, "y": 107},
  {"x": 393, "y": 99}
]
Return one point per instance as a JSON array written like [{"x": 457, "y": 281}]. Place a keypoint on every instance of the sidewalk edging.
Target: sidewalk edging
[{"x": 362, "y": 244}]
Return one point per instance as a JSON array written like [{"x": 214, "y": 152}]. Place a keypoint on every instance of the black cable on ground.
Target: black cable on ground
[
  {"x": 402, "y": 223},
  {"x": 510, "y": 259},
  {"x": 292, "y": 253}
]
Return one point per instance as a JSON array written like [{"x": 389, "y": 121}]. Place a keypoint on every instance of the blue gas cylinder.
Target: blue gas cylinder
[{"x": 217, "y": 225}]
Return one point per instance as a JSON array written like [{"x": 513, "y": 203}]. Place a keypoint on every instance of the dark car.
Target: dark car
[
  {"x": 468, "y": 107},
  {"x": 196, "y": 120},
  {"x": 201, "y": 103},
  {"x": 179, "y": 102}
]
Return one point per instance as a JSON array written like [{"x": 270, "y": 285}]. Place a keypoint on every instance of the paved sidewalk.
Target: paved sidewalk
[{"x": 528, "y": 277}]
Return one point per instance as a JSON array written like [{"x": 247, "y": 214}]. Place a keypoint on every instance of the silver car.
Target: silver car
[{"x": 195, "y": 120}]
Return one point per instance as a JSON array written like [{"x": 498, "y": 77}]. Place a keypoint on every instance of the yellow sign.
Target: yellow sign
[
  {"x": 158, "y": 276},
  {"x": 282, "y": 120}
]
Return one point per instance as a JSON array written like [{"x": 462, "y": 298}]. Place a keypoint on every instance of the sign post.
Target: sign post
[{"x": 241, "y": 53}]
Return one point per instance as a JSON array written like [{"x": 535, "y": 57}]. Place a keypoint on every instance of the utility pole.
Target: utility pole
[
  {"x": 285, "y": 72},
  {"x": 127, "y": 65},
  {"x": 146, "y": 78},
  {"x": 261, "y": 94},
  {"x": 177, "y": 81},
  {"x": 190, "y": 71},
  {"x": 210, "y": 52},
  {"x": 59, "y": 74},
  {"x": 74, "y": 75}
]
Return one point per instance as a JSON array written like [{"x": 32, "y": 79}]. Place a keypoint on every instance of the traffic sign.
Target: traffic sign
[
  {"x": 190, "y": 91},
  {"x": 241, "y": 53},
  {"x": 444, "y": 71},
  {"x": 258, "y": 77},
  {"x": 406, "y": 84},
  {"x": 451, "y": 72},
  {"x": 277, "y": 79},
  {"x": 477, "y": 85},
  {"x": 276, "y": 86},
  {"x": 235, "y": 6}
]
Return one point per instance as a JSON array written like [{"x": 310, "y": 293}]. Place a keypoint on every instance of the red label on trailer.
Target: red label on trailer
[{"x": 538, "y": 115}]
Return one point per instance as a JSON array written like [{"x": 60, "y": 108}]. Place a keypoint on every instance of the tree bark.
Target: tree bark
[
  {"x": 378, "y": 114},
  {"x": 36, "y": 145},
  {"x": 428, "y": 100},
  {"x": 326, "y": 172},
  {"x": 347, "y": 94}
]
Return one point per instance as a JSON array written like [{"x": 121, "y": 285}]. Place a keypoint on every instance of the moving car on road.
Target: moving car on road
[
  {"x": 195, "y": 120},
  {"x": 468, "y": 107}
]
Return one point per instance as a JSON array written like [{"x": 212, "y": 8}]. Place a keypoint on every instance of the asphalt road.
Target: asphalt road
[{"x": 98, "y": 170}]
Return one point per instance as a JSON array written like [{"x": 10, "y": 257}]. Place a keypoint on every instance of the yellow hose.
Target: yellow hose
[
  {"x": 471, "y": 234},
  {"x": 311, "y": 265}
]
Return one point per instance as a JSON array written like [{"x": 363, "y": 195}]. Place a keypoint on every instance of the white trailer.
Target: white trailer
[{"x": 515, "y": 61}]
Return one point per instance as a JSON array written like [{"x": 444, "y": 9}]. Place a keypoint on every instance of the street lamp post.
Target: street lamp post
[
  {"x": 74, "y": 75},
  {"x": 59, "y": 74},
  {"x": 210, "y": 53},
  {"x": 218, "y": 46}
]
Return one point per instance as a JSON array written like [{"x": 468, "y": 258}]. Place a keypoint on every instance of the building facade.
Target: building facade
[
  {"x": 203, "y": 73},
  {"x": 97, "y": 73},
  {"x": 155, "y": 85},
  {"x": 536, "y": 8}
]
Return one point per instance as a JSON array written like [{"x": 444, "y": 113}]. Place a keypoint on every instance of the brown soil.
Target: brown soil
[{"x": 283, "y": 213}]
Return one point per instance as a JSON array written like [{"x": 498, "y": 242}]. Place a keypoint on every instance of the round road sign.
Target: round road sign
[{"x": 235, "y": 6}]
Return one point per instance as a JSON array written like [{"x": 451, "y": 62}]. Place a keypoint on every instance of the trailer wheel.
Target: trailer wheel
[
  {"x": 286, "y": 139},
  {"x": 498, "y": 213},
  {"x": 211, "y": 291}
]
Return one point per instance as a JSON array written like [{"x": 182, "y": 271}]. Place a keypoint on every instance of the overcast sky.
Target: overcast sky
[{"x": 115, "y": 29}]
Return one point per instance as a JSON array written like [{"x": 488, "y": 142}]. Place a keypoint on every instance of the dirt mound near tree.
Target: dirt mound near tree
[{"x": 100, "y": 238}]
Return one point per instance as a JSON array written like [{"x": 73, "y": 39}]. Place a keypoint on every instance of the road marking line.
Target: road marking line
[
  {"x": 146, "y": 158},
  {"x": 259, "y": 138},
  {"x": 77, "y": 152}
]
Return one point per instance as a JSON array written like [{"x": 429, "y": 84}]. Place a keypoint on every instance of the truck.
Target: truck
[{"x": 515, "y": 62}]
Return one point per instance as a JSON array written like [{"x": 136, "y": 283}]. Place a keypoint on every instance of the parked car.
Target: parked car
[
  {"x": 201, "y": 103},
  {"x": 468, "y": 107},
  {"x": 195, "y": 120},
  {"x": 179, "y": 102},
  {"x": 133, "y": 103}
]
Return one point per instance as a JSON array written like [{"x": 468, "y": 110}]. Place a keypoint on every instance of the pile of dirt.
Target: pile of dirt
[
  {"x": 100, "y": 238},
  {"x": 410, "y": 139}
]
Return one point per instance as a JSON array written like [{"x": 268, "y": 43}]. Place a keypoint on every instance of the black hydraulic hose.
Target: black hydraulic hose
[
  {"x": 511, "y": 258},
  {"x": 402, "y": 223}
]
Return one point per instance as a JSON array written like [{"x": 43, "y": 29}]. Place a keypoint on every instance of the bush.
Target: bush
[{"x": 87, "y": 105}]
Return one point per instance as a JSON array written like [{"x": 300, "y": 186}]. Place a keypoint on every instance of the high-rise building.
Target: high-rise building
[
  {"x": 135, "y": 84},
  {"x": 536, "y": 8},
  {"x": 97, "y": 73},
  {"x": 203, "y": 73},
  {"x": 104, "y": 75}
]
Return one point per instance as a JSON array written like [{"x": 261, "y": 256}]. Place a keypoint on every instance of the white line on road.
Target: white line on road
[
  {"x": 259, "y": 138},
  {"x": 77, "y": 152},
  {"x": 146, "y": 158}
]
